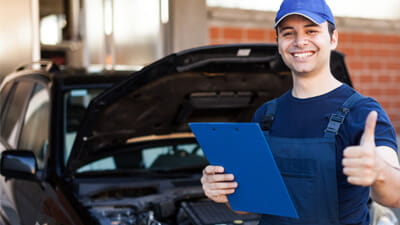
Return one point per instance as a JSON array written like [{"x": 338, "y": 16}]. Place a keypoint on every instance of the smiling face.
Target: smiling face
[{"x": 305, "y": 47}]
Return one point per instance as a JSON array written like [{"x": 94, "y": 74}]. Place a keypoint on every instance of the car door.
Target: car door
[
  {"x": 37, "y": 201},
  {"x": 34, "y": 136},
  {"x": 13, "y": 99}
]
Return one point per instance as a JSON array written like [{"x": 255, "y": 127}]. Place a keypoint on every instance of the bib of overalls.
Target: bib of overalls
[{"x": 308, "y": 168}]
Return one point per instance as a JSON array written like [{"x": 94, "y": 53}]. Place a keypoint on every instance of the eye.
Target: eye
[
  {"x": 312, "y": 31},
  {"x": 287, "y": 34}
]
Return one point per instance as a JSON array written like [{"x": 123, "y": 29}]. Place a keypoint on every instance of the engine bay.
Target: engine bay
[{"x": 157, "y": 202}]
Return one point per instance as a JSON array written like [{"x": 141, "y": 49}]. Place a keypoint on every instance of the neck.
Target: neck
[{"x": 311, "y": 86}]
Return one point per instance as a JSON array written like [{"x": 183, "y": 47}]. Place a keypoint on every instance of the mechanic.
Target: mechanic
[{"x": 336, "y": 144}]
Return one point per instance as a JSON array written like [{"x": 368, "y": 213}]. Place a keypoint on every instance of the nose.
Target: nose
[{"x": 301, "y": 40}]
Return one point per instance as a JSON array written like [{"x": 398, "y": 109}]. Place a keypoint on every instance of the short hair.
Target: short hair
[{"x": 331, "y": 28}]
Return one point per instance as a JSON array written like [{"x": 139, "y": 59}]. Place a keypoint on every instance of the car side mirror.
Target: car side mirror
[{"x": 19, "y": 164}]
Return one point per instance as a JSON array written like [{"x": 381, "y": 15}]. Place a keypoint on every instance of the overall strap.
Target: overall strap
[
  {"x": 269, "y": 115},
  {"x": 337, "y": 118}
]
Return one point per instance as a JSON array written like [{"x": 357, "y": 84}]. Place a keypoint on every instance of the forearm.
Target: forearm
[{"x": 386, "y": 188}]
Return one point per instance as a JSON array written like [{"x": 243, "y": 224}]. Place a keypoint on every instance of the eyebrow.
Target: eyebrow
[
  {"x": 312, "y": 25},
  {"x": 289, "y": 27}
]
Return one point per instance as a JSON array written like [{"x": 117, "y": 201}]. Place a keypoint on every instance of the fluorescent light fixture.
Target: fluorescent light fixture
[
  {"x": 50, "y": 31},
  {"x": 108, "y": 17},
  {"x": 36, "y": 31},
  {"x": 164, "y": 11}
]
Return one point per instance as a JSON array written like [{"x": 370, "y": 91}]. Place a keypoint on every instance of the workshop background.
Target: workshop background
[{"x": 127, "y": 34}]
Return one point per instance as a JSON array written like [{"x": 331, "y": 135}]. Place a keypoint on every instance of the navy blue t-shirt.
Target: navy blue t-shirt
[{"x": 307, "y": 118}]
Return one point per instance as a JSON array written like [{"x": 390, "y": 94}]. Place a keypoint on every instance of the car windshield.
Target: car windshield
[
  {"x": 165, "y": 156},
  {"x": 76, "y": 103}
]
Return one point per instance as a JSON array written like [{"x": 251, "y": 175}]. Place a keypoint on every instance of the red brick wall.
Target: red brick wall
[{"x": 373, "y": 61}]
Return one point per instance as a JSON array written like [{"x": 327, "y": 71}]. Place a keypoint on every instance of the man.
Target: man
[{"x": 332, "y": 145}]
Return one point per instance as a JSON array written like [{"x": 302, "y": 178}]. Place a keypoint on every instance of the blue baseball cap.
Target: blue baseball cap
[{"x": 315, "y": 10}]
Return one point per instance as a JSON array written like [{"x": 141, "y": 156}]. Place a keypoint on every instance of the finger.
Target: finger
[
  {"x": 219, "y": 192},
  {"x": 350, "y": 162},
  {"x": 356, "y": 152},
  {"x": 359, "y": 172},
  {"x": 213, "y": 170},
  {"x": 220, "y": 185},
  {"x": 362, "y": 181},
  {"x": 348, "y": 171},
  {"x": 353, "y": 152},
  {"x": 361, "y": 163},
  {"x": 368, "y": 137},
  {"x": 218, "y": 178},
  {"x": 354, "y": 172}
]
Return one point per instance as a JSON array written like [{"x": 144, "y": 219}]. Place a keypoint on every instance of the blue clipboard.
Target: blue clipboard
[{"x": 242, "y": 149}]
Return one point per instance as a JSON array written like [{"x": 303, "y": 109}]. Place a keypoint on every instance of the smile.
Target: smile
[{"x": 303, "y": 54}]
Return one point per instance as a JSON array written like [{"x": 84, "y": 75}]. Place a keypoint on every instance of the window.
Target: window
[
  {"x": 35, "y": 130},
  {"x": 13, "y": 112},
  {"x": 76, "y": 102},
  {"x": 174, "y": 157},
  {"x": 164, "y": 158},
  {"x": 5, "y": 92}
]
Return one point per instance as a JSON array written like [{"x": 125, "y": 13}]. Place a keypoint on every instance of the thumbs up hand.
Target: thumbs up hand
[{"x": 361, "y": 164}]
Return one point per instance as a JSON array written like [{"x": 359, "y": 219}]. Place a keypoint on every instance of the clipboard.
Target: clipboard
[{"x": 242, "y": 149}]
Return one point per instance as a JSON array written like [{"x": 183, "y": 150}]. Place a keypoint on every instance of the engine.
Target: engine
[{"x": 186, "y": 206}]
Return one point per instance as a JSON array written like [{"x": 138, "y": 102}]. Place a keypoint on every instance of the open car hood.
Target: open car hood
[{"x": 224, "y": 83}]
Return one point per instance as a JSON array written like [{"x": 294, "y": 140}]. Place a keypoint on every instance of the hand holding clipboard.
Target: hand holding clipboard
[{"x": 242, "y": 150}]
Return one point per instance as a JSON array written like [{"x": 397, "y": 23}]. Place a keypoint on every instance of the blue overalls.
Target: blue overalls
[{"x": 308, "y": 167}]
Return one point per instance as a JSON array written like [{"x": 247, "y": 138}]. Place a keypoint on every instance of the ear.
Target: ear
[
  {"x": 277, "y": 43},
  {"x": 334, "y": 40},
  {"x": 279, "y": 50}
]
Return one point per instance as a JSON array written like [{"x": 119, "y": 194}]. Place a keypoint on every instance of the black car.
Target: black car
[{"x": 115, "y": 147}]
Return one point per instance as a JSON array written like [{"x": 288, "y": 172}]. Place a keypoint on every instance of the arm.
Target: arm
[
  {"x": 385, "y": 189},
  {"x": 369, "y": 165}
]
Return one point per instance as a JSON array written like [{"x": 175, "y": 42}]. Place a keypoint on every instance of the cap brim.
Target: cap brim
[{"x": 315, "y": 18}]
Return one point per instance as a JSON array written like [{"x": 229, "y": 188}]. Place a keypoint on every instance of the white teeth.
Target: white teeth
[{"x": 302, "y": 55}]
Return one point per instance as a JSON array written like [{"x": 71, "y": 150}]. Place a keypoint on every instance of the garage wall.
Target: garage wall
[
  {"x": 19, "y": 39},
  {"x": 372, "y": 49},
  {"x": 189, "y": 24}
]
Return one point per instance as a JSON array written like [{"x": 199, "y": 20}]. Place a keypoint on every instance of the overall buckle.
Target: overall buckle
[{"x": 334, "y": 123}]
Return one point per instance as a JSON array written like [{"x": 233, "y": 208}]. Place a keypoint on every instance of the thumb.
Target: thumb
[{"x": 368, "y": 137}]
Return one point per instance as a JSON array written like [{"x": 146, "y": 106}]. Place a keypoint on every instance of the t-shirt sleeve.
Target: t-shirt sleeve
[
  {"x": 385, "y": 134},
  {"x": 259, "y": 114}
]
